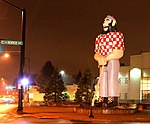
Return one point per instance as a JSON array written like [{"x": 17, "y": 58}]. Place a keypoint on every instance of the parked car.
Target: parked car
[{"x": 7, "y": 99}]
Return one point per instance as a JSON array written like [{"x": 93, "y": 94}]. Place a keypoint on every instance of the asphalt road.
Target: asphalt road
[
  {"x": 32, "y": 120},
  {"x": 4, "y": 112},
  {"x": 54, "y": 115}
]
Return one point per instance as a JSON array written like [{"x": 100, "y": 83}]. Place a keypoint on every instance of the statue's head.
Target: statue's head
[{"x": 109, "y": 24}]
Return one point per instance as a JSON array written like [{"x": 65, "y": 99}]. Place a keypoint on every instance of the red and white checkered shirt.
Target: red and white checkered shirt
[{"x": 105, "y": 43}]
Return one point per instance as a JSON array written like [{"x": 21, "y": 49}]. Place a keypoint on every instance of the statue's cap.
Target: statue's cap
[{"x": 111, "y": 17}]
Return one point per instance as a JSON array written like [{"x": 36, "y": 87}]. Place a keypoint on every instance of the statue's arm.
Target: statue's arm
[
  {"x": 116, "y": 54},
  {"x": 100, "y": 59}
]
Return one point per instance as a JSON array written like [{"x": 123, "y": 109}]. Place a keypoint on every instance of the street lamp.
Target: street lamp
[
  {"x": 22, "y": 55},
  {"x": 6, "y": 55},
  {"x": 62, "y": 72},
  {"x": 64, "y": 76},
  {"x": 24, "y": 82}
]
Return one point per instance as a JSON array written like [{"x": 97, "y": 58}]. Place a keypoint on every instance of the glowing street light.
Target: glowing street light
[
  {"x": 64, "y": 76},
  {"x": 62, "y": 72},
  {"x": 6, "y": 55},
  {"x": 24, "y": 82}
]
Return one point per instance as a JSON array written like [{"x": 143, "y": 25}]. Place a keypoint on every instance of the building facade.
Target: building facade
[{"x": 134, "y": 80}]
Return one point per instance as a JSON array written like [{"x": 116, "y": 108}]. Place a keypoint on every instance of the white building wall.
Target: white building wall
[
  {"x": 135, "y": 61},
  {"x": 34, "y": 95},
  {"x": 142, "y": 64},
  {"x": 135, "y": 76},
  {"x": 145, "y": 64},
  {"x": 145, "y": 60},
  {"x": 135, "y": 81},
  {"x": 124, "y": 82}
]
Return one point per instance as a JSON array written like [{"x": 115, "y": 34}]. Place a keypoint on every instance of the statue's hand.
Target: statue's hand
[{"x": 102, "y": 61}]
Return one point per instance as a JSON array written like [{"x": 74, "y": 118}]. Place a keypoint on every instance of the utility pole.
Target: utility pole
[
  {"x": 22, "y": 56},
  {"x": 22, "y": 61}
]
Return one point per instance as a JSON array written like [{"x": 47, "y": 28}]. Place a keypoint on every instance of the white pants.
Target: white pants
[{"x": 109, "y": 86}]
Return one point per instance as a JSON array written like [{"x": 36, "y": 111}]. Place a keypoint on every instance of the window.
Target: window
[
  {"x": 119, "y": 79},
  {"x": 125, "y": 95},
  {"x": 145, "y": 87},
  {"x": 119, "y": 95},
  {"x": 126, "y": 80},
  {"x": 146, "y": 94}
]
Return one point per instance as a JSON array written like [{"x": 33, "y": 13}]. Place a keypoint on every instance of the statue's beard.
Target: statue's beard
[{"x": 106, "y": 28}]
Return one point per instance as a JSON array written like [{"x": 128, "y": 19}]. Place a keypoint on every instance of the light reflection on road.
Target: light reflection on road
[
  {"x": 1, "y": 115},
  {"x": 4, "y": 108}
]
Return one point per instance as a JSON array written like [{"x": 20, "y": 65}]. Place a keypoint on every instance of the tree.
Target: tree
[
  {"x": 44, "y": 78},
  {"x": 50, "y": 83},
  {"x": 77, "y": 77},
  {"x": 83, "y": 93}
]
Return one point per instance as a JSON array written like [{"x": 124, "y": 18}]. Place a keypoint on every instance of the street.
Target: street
[
  {"x": 4, "y": 112},
  {"x": 32, "y": 120},
  {"x": 61, "y": 115},
  {"x": 6, "y": 117}
]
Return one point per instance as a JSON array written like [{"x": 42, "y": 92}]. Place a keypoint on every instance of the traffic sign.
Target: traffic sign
[{"x": 9, "y": 42}]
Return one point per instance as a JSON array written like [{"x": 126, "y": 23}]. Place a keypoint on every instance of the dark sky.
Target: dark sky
[{"x": 64, "y": 31}]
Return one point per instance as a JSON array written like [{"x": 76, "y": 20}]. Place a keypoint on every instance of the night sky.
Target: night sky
[{"x": 64, "y": 31}]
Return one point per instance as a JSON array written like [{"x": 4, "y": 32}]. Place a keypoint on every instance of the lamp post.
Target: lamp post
[
  {"x": 28, "y": 59},
  {"x": 22, "y": 55},
  {"x": 91, "y": 109},
  {"x": 28, "y": 75}
]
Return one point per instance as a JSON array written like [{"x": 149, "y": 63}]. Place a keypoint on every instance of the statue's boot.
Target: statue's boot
[
  {"x": 105, "y": 102},
  {"x": 114, "y": 102}
]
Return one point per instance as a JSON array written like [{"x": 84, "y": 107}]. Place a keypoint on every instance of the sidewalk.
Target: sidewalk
[{"x": 68, "y": 113}]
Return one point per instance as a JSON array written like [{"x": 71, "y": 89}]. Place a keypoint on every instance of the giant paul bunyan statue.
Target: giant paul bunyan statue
[{"x": 109, "y": 48}]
